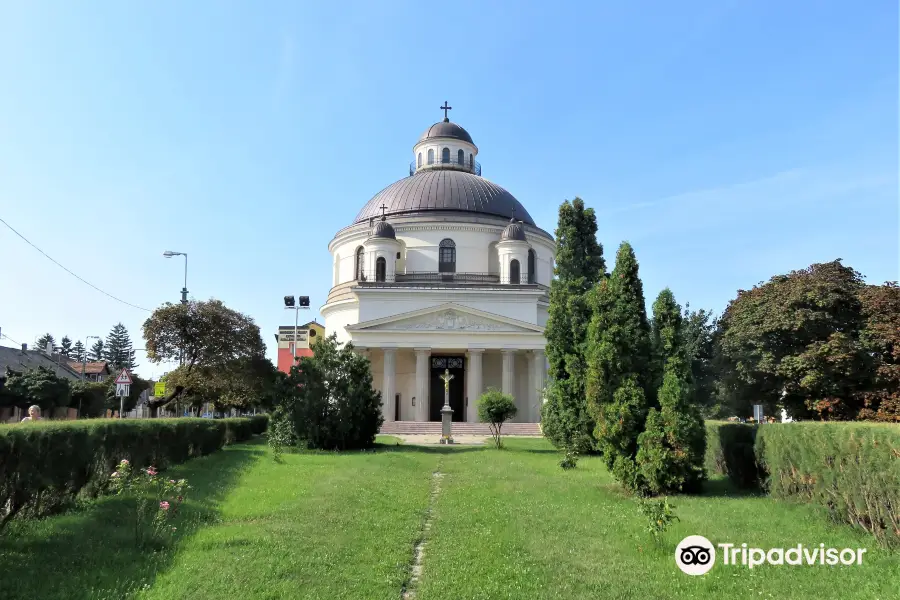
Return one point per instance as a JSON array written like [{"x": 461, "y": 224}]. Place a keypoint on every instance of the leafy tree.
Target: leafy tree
[
  {"x": 44, "y": 339},
  {"x": 334, "y": 406},
  {"x": 206, "y": 335},
  {"x": 793, "y": 342},
  {"x": 117, "y": 350},
  {"x": 65, "y": 346},
  {"x": 881, "y": 337},
  {"x": 78, "y": 352},
  {"x": 39, "y": 386},
  {"x": 566, "y": 422},
  {"x": 89, "y": 398},
  {"x": 96, "y": 351},
  {"x": 619, "y": 378},
  {"x": 673, "y": 443},
  {"x": 241, "y": 383},
  {"x": 496, "y": 408}
]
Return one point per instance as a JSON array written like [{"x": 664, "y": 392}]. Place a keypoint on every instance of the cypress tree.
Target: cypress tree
[
  {"x": 673, "y": 444},
  {"x": 579, "y": 265},
  {"x": 619, "y": 362},
  {"x": 118, "y": 350}
]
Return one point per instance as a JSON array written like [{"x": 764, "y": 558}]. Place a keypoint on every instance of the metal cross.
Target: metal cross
[
  {"x": 446, "y": 377},
  {"x": 513, "y": 214},
  {"x": 445, "y": 108},
  {"x": 383, "y": 208}
]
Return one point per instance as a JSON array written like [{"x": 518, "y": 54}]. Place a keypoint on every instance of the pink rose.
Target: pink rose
[
  {"x": 124, "y": 462},
  {"x": 151, "y": 471},
  {"x": 115, "y": 474},
  {"x": 164, "y": 505}
]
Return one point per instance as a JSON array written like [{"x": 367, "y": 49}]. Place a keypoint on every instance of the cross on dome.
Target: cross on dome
[
  {"x": 383, "y": 208},
  {"x": 445, "y": 108}
]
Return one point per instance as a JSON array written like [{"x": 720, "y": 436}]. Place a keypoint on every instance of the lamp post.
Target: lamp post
[
  {"x": 184, "y": 291},
  {"x": 302, "y": 303}
]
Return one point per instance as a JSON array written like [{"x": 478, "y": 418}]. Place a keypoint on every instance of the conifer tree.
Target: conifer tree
[
  {"x": 619, "y": 362},
  {"x": 42, "y": 342},
  {"x": 673, "y": 444},
  {"x": 579, "y": 265},
  {"x": 118, "y": 350},
  {"x": 65, "y": 346},
  {"x": 78, "y": 351},
  {"x": 96, "y": 352}
]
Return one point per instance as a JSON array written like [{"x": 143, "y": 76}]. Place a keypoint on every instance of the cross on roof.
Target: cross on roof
[
  {"x": 445, "y": 108},
  {"x": 513, "y": 218},
  {"x": 383, "y": 208}
]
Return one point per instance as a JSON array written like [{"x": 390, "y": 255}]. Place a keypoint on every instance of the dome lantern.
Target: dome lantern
[{"x": 445, "y": 146}]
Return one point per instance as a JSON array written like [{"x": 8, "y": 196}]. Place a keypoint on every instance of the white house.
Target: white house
[{"x": 444, "y": 270}]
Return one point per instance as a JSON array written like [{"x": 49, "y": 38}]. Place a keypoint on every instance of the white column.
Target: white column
[
  {"x": 422, "y": 372},
  {"x": 388, "y": 385},
  {"x": 474, "y": 384},
  {"x": 537, "y": 365},
  {"x": 509, "y": 372}
]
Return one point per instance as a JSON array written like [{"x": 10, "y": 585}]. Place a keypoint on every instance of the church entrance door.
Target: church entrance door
[{"x": 456, "y": 366}]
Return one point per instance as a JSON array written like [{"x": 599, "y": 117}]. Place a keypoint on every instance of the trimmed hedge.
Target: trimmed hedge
[
  {"x": 45, "y": 465},
  {"x": 851, "y": 469}
]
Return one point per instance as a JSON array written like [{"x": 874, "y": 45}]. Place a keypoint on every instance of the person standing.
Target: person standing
[{"x": 34, "y": 413}]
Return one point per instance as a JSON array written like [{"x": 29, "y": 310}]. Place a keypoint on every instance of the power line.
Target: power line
[
  {"x": 70, "y": 272},
  {"x": 9, "y": 338}
]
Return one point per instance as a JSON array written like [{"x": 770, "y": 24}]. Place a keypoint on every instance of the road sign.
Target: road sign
[
  {"x": 122, "y": 389},
  {"x": 124, "y": 377},
  {"x": 159, "y": 389}
]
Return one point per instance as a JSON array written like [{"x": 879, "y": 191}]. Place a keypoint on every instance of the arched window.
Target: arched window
[
  {"x": 460, "y": 158},
  {"x": 445, "y": 155},
  {"x": 431, "y": 156},
  {"x": 380, "y": 268},
  {"x": 514, "y": 271},
  {"x": 471, "y": 161},
  {"x": 419, "y": 160},
  {"x": 360, "y": 275},
  {"x": 447, "y": 256},
  {"x": 532, "y": 260}
]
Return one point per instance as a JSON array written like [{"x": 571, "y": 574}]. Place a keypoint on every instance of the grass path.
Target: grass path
[{"x": 504, "y": 524}]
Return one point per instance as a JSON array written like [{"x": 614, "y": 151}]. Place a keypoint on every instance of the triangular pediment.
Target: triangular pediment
[{"x": 448, "y": 317}]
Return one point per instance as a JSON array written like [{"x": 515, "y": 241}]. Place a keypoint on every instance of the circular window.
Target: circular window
[{"x": 312, "y": 333}]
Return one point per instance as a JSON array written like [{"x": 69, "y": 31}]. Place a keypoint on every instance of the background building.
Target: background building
[{"x": 307, "y": 335}]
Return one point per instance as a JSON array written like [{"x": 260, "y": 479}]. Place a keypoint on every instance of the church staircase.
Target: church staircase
[{"x": 434, "y": 428}]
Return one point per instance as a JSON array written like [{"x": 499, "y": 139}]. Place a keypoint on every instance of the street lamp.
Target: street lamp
[
  {"x": 184, "y": 291},
  {"x": 302, "y": 303}
]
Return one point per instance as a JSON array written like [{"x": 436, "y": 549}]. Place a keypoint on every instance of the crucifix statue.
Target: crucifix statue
[
  {"x": 446, "y": 411},
  {"x": 445, "y": 108}
]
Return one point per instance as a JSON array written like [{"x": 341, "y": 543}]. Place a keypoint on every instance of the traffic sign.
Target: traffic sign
[
  {"x": 124, "y": 377},
  {"x": 159, "y": 389},
  {"x": 122, "y": 389}
]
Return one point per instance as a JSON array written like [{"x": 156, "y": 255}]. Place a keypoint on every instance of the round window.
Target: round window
[{"x": 312, "y": 333}]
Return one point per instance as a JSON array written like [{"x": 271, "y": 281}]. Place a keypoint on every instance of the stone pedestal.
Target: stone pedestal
[{"x": 446, "y": 424}]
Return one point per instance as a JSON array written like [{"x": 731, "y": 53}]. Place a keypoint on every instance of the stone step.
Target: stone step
[{"x": 434, "y": 428}]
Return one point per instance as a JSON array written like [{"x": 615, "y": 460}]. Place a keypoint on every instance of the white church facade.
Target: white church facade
[{"x": 444, "y": 270}]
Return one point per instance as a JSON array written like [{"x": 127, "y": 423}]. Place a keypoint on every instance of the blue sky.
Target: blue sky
[{"x": 727, "y": 141}]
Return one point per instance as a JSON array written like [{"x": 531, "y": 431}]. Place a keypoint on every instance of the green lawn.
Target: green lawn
[{"x": 505, "y": 524}]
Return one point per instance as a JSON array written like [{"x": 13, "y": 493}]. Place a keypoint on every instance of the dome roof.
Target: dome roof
[
  {"x": 383, "y": 229},
  {"x": 446, "y": 129},
  {"x": 513, "y": 231},
  {"x": 443, "y": 190}
]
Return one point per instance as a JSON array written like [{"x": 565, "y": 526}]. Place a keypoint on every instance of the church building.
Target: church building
[{"x": 444, "y": 269}]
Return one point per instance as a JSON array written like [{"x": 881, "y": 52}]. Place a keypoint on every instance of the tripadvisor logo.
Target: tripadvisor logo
[{"x": 696, "y": 555}]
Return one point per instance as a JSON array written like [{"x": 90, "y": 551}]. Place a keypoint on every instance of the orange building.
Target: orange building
[{"x": 307, "y": 336}]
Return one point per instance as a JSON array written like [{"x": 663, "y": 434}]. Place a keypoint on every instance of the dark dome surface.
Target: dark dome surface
[
  {"x": 444, "y": 190},
  {"x": 383, "y": 229},
  {"x": 513, "y": 231},
  {"x": 446, "y": 129}
]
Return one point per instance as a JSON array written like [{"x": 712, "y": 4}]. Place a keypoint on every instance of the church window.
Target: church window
[
  {"x": 419, "y": 160},
  {"x": 514, "y": 271},
  {"x": 460, "y": 158},
  {"x": 471, "y": 161},
  {"x": 360, "y": 276},
  {"x": 431, "y": 156},
  {"x": 532, "y": 259},
  {"x": 380, "y": 268},
  {"x": 445, "y": 155},
  {"x": 447, "y": 256}
]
